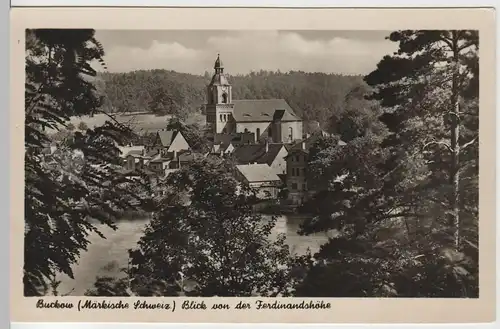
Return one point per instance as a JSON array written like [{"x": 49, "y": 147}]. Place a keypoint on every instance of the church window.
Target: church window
[
  {"x": 220, "y": 117},
  {"x": 224, "y": 98}
]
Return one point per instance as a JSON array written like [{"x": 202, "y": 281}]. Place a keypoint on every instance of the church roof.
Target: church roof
[
  {"x": 219, "y": 79},
  {"x": 249, "y": 110},
  {"x": 218, "y": 63}
]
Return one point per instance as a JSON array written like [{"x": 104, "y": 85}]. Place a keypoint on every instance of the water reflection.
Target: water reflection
[{"x": 105, "y": 257}]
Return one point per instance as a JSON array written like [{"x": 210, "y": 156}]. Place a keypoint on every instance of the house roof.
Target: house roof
[
  {"x": 126, "y": 150},
  {"x": 134, "y": 153},
  {"x": 260, "y": 172},
  {"x": 166, "y": 137},
  {"x": 151, "y": 154},
  {"x": 308, "y": 143},
  {"x": 222, "y": 147},
  {"x": 186, "y": 156},
  {"x": 256, "y": 153},
  {"x": 249, "y": 110},
  {"x": 162, "y": 159}
]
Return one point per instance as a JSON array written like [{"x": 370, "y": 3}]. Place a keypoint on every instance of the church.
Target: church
[{"x": 271, "y": 120}]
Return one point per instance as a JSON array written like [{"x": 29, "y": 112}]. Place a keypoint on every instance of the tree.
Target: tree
[
  {"x": 214, "y": 240},
  {"x": 78, "y": 182},
  {"x": 358, "y": 115},
  {"x": 82, "y": 126},
  {"x": 386, "y": 196},
  {"x": 436, "y": 82},
  {"x": 169, "y": 100}
]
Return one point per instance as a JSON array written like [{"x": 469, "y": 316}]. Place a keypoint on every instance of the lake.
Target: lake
[{"x": 105, "y": 257}]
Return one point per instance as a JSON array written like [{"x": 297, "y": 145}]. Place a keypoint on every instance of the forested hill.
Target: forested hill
[{"x": 314, "y": 96}]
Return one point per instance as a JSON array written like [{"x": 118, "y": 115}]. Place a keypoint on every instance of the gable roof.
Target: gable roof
[
  {"x": 248, "y": 110},
  {"x": 258, "y": 173},
  {"x": 256, "y": 153},
  {"x": 166, "y": 137}
]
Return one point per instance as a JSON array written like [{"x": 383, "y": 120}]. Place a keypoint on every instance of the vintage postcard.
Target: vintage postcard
[{"x": 252, "y": 165}]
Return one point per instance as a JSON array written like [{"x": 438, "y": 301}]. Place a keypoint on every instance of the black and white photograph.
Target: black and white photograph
[{"x": 251, "y": 163}]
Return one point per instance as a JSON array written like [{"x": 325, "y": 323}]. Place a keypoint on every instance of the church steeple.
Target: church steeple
[
  {"x": 219, "y": 67},
  {"x": 219, "y": 101}
]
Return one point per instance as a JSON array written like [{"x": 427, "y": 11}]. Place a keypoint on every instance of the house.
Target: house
[
  {"x": 140, "y": 159},
  {"x": 160, "y": 155},
  {"x": 168, "y": 141},
  {"x": 271, "y": 119},
  {"x": 261, "y": 178},
  {"x": 222, "y": 149},
  {"x": 296, "y": 169},
  {"x": 272, "y": 154}
]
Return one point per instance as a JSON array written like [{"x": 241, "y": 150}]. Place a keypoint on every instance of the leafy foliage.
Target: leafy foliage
[
  {"x": 314, "y": 96},
  {"x": 212, "y": 241},
  {"x": 64, "y": 190},
  {"x": 390, "y": 196}
]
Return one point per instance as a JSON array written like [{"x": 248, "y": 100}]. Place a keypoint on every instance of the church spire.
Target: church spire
[{"x": 219, "y": 67}]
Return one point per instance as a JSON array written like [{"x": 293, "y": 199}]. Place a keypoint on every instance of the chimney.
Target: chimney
[
  {"x": 303, "y": 145},
  {"x": 267, "y": 145}
]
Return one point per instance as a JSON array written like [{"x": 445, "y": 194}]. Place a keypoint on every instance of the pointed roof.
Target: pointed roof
[{"x": 218, "y": 63}]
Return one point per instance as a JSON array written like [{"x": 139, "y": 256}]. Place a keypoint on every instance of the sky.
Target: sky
[{"x": 191, "y": 51}]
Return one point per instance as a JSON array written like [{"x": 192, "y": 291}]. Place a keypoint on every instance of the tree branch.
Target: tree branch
[
  {"x": 472, "y": 141},
  {"x": 448, "y": 147}
]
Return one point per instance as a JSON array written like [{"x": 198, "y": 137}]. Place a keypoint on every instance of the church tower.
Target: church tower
[{"x": 219, "y": 107}]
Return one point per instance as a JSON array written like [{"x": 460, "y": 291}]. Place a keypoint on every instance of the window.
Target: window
[
  {"x": 257, "y": 133},
  {"x": 270, "y": 132},
  {"x": 290, "y": 133},
  {"x": 297, "y": 158},
  {"x": 224, "y": 98},
  {"x": 220, "y": 117},
  {"x": 294, "y": 186},
  {"x": 292, "y": 171}
]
